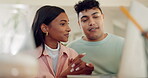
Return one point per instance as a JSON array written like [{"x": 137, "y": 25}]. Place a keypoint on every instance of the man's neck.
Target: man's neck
[{"x": 98, "y": 39}]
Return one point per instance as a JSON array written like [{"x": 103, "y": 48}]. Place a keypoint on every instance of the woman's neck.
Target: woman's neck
[{"x": 51, "y": 43}]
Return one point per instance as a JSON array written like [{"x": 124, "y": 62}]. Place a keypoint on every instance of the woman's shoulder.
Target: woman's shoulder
[{"x": 68, "y": 50}]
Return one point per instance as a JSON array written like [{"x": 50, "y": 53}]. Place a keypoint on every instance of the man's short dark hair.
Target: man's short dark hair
[{"x": 87, "y": 4}]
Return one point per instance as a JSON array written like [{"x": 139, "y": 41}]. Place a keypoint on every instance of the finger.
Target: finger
[
  {"x": 89, "y": 68},
  {"x": 77, "y": 60},
  {"x": 80, "y": 56},
  {"x": 80, "y": 66},
  {"x": 89, "y": 65},
  {"x": 72, "y": 70},
  {"x": 79, "y": 71},
  {"x": 70, "y": 61},
  {"x": 83, "y": 68}
]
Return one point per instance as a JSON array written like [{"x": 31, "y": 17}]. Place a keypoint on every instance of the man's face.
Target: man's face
[{"x": 91, "y": 21}]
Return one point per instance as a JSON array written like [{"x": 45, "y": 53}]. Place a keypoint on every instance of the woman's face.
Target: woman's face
[{"x": 59, "y": 29}]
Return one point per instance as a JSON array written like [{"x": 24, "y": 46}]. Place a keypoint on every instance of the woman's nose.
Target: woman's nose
[{"x": 68, "y": 29}]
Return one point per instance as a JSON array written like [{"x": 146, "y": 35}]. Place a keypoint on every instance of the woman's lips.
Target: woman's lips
[{"x": 67, "y": 35}]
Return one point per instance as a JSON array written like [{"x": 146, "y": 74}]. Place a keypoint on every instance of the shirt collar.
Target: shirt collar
[
  {"x": 50, "y": 49},
  {"x": 63, "y": 50}
]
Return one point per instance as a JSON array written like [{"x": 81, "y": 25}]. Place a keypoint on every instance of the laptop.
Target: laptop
[{"x": 90, "y": 76}]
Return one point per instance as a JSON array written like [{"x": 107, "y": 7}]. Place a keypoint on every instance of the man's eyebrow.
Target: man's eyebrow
[
  {"x": 95, "y": 13},
  {"x": 83, "y": 17},
  {"x": 91, "y": 14}
]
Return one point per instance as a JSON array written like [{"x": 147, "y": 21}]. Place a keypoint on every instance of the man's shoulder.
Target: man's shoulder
[
  {"x": 116, "y": 37},
  {"x": 117, "y": 40}
]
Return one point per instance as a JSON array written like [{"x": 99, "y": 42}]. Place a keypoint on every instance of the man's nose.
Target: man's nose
[{"x": 92, "y": 22}]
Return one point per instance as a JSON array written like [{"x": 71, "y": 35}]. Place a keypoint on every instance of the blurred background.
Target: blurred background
[
  {"x": 115, "y": 21},
  {"x": 16, "y": 17}
]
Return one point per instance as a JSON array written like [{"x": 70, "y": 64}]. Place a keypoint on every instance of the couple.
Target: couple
[{"x": 51, "y": 26}]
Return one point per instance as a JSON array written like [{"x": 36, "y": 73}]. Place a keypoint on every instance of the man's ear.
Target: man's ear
[
  {"x": 79, "y": 24},
  {"x": 44, "y": 28}
]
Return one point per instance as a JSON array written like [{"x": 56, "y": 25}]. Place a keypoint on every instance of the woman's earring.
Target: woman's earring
[{"x": 46, "y": 33}]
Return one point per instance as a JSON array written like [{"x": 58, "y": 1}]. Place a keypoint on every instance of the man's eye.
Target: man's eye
[
  {"x": 62, "y": 24},
  {"x": 84, "y": 20},
  {"x": 96, "y": 17}
]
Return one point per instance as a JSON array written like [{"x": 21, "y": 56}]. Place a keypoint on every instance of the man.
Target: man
[{"x": 102, "y": 49}]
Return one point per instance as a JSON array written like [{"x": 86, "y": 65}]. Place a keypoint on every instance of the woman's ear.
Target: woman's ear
[
  {"x": 103, "y": 16},
  {"x": 44, "y": 28}
]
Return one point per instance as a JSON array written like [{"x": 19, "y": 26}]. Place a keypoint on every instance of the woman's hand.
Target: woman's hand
[{"x": 77, "y": 66}]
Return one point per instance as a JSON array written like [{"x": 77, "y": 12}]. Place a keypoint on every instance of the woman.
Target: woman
[{"x": 50, "y": 27}]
